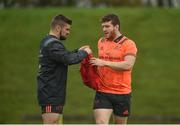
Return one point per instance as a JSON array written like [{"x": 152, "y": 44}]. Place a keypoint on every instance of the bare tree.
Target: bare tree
[
  {"x": 175, "y": 3},
  {"x": 161, "y": 3},
  {"x": 7, "y": 3}
]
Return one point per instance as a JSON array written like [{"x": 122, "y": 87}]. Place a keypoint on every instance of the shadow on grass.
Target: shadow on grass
[{"x": 81, "y": 119}]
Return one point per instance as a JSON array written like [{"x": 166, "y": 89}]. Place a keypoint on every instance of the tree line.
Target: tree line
[{"x": 88, "y": 3}]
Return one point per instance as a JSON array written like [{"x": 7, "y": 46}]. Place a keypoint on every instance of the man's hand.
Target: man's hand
[
  {"x": 97, "y": 62},
  {"x": 83, "y": 47},
  {"x": 86, "y": 48}
]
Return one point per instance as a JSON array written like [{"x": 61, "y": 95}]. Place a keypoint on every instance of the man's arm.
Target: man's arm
[
  {"x": 127, "y": 64},
  {"x": 58, "y": 53}
]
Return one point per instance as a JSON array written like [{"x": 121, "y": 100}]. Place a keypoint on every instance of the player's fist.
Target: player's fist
[
  {"x": 88, "y": 50},
  {"x": 83, "y": 47}
]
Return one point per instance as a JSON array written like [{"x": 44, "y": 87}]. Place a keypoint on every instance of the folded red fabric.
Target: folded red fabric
[{"x": 89, "y": 74}]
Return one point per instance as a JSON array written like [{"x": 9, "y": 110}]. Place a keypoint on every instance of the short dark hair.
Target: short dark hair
[
  {"x": 111, "y": 17},
  {"x": 60, "y": 20}
]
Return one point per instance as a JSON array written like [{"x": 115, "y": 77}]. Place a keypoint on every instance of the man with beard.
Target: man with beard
[
  {"x": 117, "y": 55},
  {"x": 54, "y": 59}
]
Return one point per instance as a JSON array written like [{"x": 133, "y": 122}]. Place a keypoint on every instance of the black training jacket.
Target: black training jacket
[{"x": 54, "y": 59}]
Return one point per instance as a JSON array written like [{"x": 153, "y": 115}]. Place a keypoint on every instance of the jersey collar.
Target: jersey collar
[{"x": 118, "y": 39}]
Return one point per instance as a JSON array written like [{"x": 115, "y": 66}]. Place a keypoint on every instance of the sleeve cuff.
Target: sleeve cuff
[{"x": 83, "y": 53}]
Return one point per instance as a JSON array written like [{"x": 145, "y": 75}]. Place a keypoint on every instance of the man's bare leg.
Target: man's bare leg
[
  {"x": 51, "y": 118},
  {"x": 120, "y": 120},
  {"x": 102, "y": 116}
]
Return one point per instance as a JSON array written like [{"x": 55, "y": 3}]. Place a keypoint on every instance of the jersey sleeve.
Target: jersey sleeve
[
  {"x": 59, "y": 53},
  {"x": 100, "y": 45},
  {"x": 130, "y": 48}
]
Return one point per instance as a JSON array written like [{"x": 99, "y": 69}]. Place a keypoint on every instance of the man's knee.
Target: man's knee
[
  {"x": 101, "y": 121},
  {"x": 102, "y": 116},
  {"x": 50, "y": 118},
  {"x": 50, "y": 121},
  {"x": 121, "y": 120}
]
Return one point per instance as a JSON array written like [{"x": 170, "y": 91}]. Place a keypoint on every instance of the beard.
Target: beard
[
  {"x": 111, "y": 35},
  {"x": 62, "y": 38}
]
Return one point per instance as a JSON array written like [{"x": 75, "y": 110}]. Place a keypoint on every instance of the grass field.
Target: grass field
[{"x": 156, "y": 90}]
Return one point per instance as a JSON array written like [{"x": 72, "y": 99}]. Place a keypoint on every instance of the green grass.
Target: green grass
[{"x": 155, "y": 76}]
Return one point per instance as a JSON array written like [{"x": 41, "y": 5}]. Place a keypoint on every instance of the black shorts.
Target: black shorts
[
  {"x": 52, "y": 109},
  {"x": 119, "y": 103}
]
